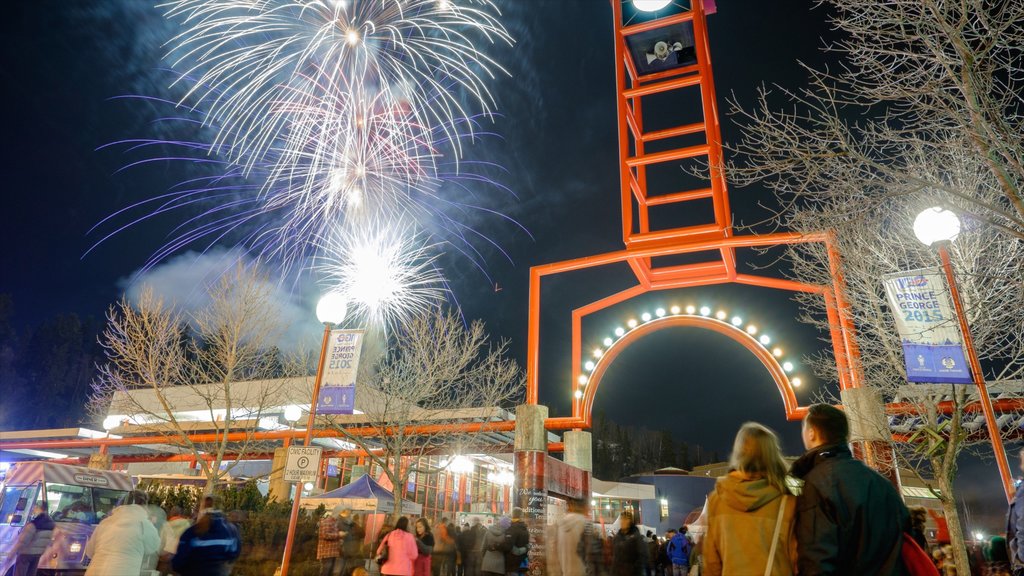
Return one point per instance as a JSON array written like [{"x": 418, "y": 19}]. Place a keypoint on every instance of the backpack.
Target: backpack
[{"x": 915, "y": 560}]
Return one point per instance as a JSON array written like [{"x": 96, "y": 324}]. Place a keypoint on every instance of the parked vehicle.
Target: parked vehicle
[{"x": 76, "y": 498}]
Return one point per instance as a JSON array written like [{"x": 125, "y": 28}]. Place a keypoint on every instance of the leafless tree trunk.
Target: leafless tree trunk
[
  {"x": 173, "y": 377},
  {"x": 436, "y": 371},
  {"x": 923, "y": 109}
]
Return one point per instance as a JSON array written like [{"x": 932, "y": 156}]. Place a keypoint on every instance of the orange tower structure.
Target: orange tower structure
[{"x": 659, "y": 58}]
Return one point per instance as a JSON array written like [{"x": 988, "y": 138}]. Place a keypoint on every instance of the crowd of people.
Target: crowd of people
[
  {"x": 828, "y": 513},
  {"x": 422, "y": 550},
  {"x": 138, "y": 539}
]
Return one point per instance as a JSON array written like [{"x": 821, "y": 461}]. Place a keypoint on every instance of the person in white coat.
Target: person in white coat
[{"x": 123, "y": 539}]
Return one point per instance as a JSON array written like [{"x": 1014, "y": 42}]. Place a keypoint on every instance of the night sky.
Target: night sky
[{"x": 64, "y": 63}]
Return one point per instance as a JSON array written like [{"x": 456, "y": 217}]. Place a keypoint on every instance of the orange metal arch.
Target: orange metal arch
[{"x": 582, "y": 408}]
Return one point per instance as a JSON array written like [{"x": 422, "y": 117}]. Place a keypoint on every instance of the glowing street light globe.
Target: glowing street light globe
[
  {"x": 292, "y": 413},
  {"x": 650, "y": 5},
  {"x": 460, "y": 465},
  {"x": 331, "y": 308},
  {"x": 936, "y": 225},
  {"x": 111, "y": 422}
]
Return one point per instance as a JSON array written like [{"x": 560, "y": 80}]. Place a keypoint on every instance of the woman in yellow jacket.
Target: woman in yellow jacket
[{"x": 751, "y": 512}]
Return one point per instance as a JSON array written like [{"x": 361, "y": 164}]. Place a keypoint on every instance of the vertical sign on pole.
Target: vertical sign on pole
[
  {"x": 338, "y": 391},
  {"x": 933, "y": 348}
]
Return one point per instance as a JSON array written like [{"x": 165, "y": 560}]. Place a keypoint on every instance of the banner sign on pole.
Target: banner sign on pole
[
  {"x": 926, "y": 321},
  {"x": 338, "y": 387}
]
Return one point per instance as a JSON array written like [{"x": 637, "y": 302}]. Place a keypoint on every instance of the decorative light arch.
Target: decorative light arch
[{"x": 592, "y": 366}]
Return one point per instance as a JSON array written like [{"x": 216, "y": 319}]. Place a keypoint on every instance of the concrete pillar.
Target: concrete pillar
[
  {"x": 579, "y": 449},
  {"x": 279, "y": 489},
  {"x": 530, "y": 493},
  {"x": 100, "y": 461},
  {"x": 870, "y": 438}
]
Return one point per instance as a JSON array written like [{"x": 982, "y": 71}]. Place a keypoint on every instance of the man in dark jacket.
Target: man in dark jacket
[
  {"x": 629, "y": 551},
  {"x": 518, "y": 538},
  {"x": 209, "y": 548},
  {"x": 849, "y": 519},
  {"x": 470, "y": 544}
]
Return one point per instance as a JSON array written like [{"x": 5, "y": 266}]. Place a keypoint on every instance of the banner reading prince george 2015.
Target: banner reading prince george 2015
[
  {"x": 932, "y": 344},
  {"x": 338, "y": 388}
]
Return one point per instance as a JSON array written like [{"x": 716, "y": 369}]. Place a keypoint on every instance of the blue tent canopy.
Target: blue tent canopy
[{"x": 362, "y": 487}]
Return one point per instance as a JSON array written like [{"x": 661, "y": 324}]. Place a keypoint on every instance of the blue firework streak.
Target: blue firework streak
[
  {"x": 280, "y": 211},
  {"x": 254, "y": 64}
]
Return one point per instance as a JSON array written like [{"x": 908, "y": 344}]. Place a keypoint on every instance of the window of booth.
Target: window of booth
[{"x": 15, "y": 506}]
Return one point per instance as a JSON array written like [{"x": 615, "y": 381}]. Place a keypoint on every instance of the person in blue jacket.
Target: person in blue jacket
[
  {"x": 678, "y": 550},
  {"x": 209, "y": 547}
]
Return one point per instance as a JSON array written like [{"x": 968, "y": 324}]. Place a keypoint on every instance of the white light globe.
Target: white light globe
[
  {"x": 936, "y": 225},
  {"x": 292, "y": 413},
  {"x": 460, "y": 465},
  {"x": 111, "y": 422},
  {"x": 331, "y": 308},
  {"x": 650, "y": 5}
]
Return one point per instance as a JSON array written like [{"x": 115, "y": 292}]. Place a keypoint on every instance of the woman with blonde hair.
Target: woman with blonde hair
[{"x": 751, "y": 511}]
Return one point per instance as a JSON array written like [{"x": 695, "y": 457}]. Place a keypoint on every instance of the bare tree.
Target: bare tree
[
  {"x": 922, "y": 109},
  {"x": 437, "y": 372},
  {"x": 217, "y": 369},
  {"x": 876, "y": 238},
  {"x": 917, "y": 78}
]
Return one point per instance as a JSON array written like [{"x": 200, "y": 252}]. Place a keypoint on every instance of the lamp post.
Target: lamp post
[
  {"x": 330, "y": 310},
  {"x": 939, "y": 227}
]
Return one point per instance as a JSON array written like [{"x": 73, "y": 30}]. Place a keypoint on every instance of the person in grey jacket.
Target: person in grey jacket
[
  {"x": 494, "y": 548},
  {"x": 34, "y": 540}
]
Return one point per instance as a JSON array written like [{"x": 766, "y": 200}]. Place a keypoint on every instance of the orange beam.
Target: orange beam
[
  {"x": 651, "y": 25},
  {"x": 779, "y": 283},
  {"x": 585, "y": 262},
  {"x": 679, "y": 197},
  {"x": 663, "y": 86},
  {"x": 672, "y": 132},
  {"x": 365, "y": 431},
  {"x": 668, "y": 155}
]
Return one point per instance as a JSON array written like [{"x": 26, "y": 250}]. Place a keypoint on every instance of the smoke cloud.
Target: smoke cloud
[{"x": 183, "y": 282}]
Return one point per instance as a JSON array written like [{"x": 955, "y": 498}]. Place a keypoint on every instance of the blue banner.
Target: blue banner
[
  {"x": 929, "y": 331},
  {"x": 341, "y": 366}
]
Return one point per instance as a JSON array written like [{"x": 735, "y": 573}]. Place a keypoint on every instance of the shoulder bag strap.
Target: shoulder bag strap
[{"x": 775, "y": 537}]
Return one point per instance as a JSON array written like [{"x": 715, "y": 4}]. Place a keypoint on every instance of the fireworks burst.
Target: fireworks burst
[
  {"x": 386, "y": 276},
  {"x": 331, "y": 116},
  {"x": 256, "y": 63}
]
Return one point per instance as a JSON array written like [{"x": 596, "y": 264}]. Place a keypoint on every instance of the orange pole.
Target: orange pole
[
  {"x": 290, "y": 538},
  {"x": 979, "y": 378},
  {"x": 533, "y": 338}
]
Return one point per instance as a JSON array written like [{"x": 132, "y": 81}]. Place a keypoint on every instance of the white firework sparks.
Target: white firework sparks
[
  {"x": 253, "y": 64},
  {"x": 387, "y": 276}
]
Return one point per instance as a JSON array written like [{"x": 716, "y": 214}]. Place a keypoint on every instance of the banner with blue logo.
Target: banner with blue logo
[
  {"x": 926, "y": 321},
  {"x": 338, "y": 387}
]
